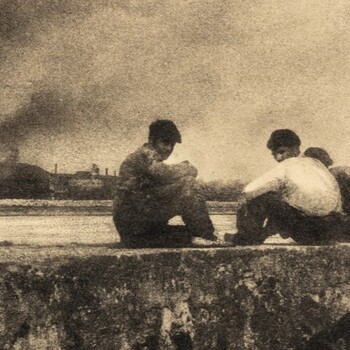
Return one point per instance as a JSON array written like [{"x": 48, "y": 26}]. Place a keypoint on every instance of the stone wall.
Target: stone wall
[{"x": 229, "y": 298}]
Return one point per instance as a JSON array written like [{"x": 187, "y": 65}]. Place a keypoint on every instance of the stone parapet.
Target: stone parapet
[{"x": 95, "y": 297}]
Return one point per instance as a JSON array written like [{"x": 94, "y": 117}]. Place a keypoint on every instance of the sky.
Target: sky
[{"x": 82, "y": 80}]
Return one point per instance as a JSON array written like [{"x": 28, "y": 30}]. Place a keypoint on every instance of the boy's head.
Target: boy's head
[
  {"x": 284, "y": 144},
  {"x": 320, "y": 154},
  {"x": 163, "y": 135}
]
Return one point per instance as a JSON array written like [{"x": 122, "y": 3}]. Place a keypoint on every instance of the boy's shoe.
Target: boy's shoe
[
  {"x": 202, "y": 242},
  {"x": 235, "y": 239},
  {"x": 208, "y": 236},
  {"x": 229, "y": 237},
  {"x": 240, "y": 239}
]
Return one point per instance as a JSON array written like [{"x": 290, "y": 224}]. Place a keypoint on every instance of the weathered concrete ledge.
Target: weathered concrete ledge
[{"x": 271, "y": 297}]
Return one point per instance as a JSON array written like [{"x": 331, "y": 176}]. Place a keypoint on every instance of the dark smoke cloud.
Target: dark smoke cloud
[
  {"x": 14, "y": 21},
  {"x": 46, "y": 113}
]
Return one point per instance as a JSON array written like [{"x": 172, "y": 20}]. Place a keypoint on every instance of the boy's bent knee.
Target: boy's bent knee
[{"x": 190, "y": 186}]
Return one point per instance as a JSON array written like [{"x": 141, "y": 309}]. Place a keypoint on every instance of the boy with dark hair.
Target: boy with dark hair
[
  {"x": 151, "y": 192},
  {"x": 298, "y": 198},
  {"x": 320, "y": 154}
]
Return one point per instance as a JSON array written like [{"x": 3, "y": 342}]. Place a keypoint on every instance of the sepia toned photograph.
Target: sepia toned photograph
[{"x": 174, "y": 175}]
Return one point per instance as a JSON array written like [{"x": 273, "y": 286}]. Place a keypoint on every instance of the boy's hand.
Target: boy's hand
[{"x": 191, "y": 170}]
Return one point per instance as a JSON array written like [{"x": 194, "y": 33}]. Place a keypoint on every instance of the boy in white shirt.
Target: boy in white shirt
[
  {"x": 341, "y": 174},
  {"x": 298, "y": 198}
]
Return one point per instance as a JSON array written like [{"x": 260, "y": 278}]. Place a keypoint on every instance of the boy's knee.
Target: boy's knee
[{"x": 190, "y": 186}]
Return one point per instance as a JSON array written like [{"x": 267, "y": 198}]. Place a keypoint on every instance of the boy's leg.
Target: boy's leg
[
  {"x": 269, "y": 209},
  {"x": 171, "y": 236},
  {"x": 311, "y": 230},
  {"x": 194, "y": 212},
  {"x": 344, "y": 232},
  {"x": 132, "y": 231},
  {"x": 150, "y": 235},
  {"x": 145, "y": 224},
  {"x": 146, "y": 220},
  {"x": 284, "y": 219},
  {"x": 183, "y": 198},
  {"x": 250, "y": 221}
]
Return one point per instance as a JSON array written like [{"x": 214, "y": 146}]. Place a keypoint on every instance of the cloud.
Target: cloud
[
  {"x": 44, "y": 114},
  {"x": 94, "y": 74}
]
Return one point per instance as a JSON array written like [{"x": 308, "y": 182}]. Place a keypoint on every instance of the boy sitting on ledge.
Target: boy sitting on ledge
[
  {"x": 151, "y": 192},
  {"x": 299, "y": 198}
]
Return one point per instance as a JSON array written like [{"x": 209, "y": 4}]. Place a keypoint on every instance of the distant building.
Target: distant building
[
  {"x": 82, "y": 175},
  {"x": 83, "y": 185},
  {"x": 22, "y": 180}
]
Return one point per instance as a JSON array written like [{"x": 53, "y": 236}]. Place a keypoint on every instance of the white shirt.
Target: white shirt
[{"x": 304, "y": 183}]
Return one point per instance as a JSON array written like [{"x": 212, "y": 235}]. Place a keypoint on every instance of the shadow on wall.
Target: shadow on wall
[{"x": 336, "y": 337}]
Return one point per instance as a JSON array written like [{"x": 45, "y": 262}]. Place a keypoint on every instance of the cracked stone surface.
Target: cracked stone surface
[{"x": 270, "y": 297}]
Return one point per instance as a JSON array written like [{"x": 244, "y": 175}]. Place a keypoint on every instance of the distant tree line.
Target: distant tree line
[
  {"x": 22, "y": 180},
  {"x": 211, "y": 190},
  {"x": 222, "y": 191}
]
